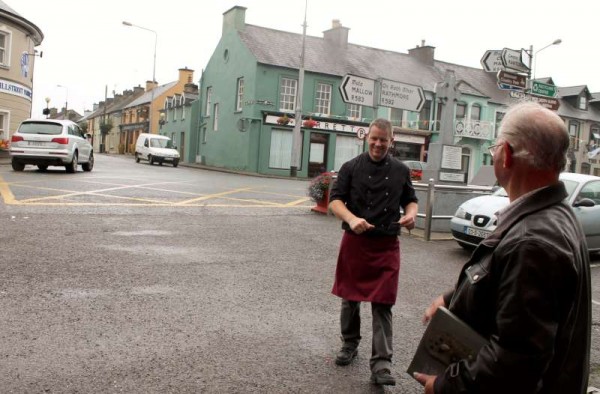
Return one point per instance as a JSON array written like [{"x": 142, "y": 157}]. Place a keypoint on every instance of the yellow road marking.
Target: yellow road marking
[
  {"x": 211, "y": 196},
  {"x": 7, "y": 195}
]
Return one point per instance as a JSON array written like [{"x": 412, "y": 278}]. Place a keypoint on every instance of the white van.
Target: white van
[{"x": 156, "y": 148}]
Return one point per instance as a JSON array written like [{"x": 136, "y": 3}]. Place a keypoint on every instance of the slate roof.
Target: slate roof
[
  {"x": 568, "y": 91},
  {"x": 10, "y": 13},
  {"x": 147, "y": 96},
  {"x": 280, "y": 48}
]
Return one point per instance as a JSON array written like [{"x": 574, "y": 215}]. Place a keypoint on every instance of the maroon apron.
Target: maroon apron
[{"x": 368, "y": 268}]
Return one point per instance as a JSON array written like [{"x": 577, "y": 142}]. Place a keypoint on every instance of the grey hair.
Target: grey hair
[
  {"x": 383, "y": 124},
  {"x": 537, "y": 135}
]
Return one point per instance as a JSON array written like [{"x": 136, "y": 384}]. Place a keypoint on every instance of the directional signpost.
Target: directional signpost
[
  {"x": 512, "y": 59},
  {"x": 358, "y": 90},
  {"x": 543, "y": 89},
  {"x": 514, "y": 80},
  {"x": 401, "y": 96},
  {"x": 492, "y": 61}
]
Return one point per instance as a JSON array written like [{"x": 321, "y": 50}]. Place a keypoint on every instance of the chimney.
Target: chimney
[
  {"x": 424, "y": 53},
  {"x": 190, "y": 88},
  {"x": 337, "y": 35},
  {"x": 150, "y": 85},
  {"x": 186, "y": 75},
  {"x": 138, "y": 90},
  {"x": 234, "y": 19}
]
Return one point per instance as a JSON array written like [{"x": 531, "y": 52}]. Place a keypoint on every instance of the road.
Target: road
[{"x": 152, "y": 279}]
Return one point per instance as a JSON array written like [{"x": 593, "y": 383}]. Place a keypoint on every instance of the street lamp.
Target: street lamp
[
  {"x": 47, "y": 110},
  {"x": 66, "y": 116},
  {"x": 153, "y": 68},
  {"x": 555, "y": 42}
]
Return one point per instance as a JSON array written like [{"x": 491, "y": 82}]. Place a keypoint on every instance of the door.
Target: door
[{"x": 317, "y": 156}]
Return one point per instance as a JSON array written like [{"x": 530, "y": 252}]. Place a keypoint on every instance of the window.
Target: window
[
  {"x": 216, "y": 117},
  {"x": 280, "y": 155},
  {"x": 4, "y": 49},
  {"x": 461, "y": 111},
  {"x": 396, "y": 116},
  {"x": 204, "y": 135},
  {"x": 582, "y": 103},
  {"x": 287, "y": 95},
  {"x": 208, "y": 100},
  {"x": 346, "y": 148},
  {"x": 594, "y": 137},
  {"x": 354, "y": 111},
  {"x": 240, "y": 94},
  {"x": 574, "y": 134},
  {"x": 425, "y": 115},
  {"x": 323, "y": 99},
  {"x": 498, "y": 120},
  {"x": 182, "y": 112},
  {"x": 3, "y": 125},
  {"x": 476, "y": 112}
]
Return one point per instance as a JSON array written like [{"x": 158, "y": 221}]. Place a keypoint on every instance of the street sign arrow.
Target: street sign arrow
[
  {"x": 492, "y": 61},
  {"x": 358, "y": 90},
  {"x": 516, "y": 80},
  {"x": 401, "y": 96},
  {"x": 511, "y": 59},
  {"x": 548, "y": 102}
]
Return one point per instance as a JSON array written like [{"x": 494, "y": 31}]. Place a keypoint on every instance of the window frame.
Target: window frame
[
  {"x": 287, "y": 99},
  {"x": 323, "y": 98},
  {"x": 209, "y": 93},
  {"x": 5, "y": 51},
  {"x": 239, "y": 95},
  {"x": 352, "y": 109},
  {"x": 216, "y": 117}
]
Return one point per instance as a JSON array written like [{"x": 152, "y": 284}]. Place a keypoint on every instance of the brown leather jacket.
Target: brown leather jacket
[{"x": 527, "y": 289}]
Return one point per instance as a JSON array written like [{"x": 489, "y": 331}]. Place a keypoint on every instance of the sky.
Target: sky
[{"x": 87, "y": 50}]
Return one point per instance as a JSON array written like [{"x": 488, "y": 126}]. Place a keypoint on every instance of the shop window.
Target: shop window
[
  {"x": 346, "y": 148},
  {"x": 280, "y": 155}
]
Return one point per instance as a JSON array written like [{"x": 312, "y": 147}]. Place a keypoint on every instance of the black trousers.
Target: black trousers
[{"x": 381, "y": 347}]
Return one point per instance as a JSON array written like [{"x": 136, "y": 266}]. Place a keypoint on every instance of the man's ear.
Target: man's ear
[{"x": 508, "y": 155}]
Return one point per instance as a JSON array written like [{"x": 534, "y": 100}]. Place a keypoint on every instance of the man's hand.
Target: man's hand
[
  {"x": 426, "y": 380},
  {"x": 360, "y": 225},
  {"x": 430, "y": 311},
  {"x": 407, "y": 221}
]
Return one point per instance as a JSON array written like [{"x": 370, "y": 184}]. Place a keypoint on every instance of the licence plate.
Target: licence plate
[
  {"x": 35, "y": 143},
  {"x": 477, "y": 233}
]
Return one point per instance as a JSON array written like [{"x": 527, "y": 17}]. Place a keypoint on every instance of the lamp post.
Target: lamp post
[
  {"x": 555, "y": 42},
  {"x": 66, "y": 116},
  {"x": 47, "y": 111},
  {"x": 153, "y": 68}
]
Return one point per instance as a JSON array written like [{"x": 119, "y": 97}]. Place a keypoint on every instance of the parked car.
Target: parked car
[
  {"x": 156, "y": 148},
  {"x": 475, "y": 219},
  {"x": 416, "y": 169},
  {"x": 51, "y": 142}
]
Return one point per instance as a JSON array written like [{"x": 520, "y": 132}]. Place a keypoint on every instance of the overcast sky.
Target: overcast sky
[{"x": 86, "y": 47}]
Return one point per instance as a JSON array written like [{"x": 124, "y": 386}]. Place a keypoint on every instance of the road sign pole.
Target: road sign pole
[{"x": 528, "y": 88}]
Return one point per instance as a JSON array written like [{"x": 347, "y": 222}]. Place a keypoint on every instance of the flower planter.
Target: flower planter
[{"x": 322, "y": 205}]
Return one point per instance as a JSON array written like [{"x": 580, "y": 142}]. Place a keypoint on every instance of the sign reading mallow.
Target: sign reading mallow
[
  {"x": 358, "y": 90},
  {"x": 401, "y": 96},
  {"x": 492, "y": 61}
]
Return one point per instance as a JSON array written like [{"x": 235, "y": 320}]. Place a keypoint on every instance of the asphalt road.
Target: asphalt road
[{"x": 147, "y": 279}]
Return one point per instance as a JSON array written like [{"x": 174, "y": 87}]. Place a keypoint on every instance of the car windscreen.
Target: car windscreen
[
  {"x": 40, "y": 128},
  {"x": 159, "y": 142},
  {"x": 570, "y": 186}
]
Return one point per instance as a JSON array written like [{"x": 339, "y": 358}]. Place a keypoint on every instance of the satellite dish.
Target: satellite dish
[{"x": 243, "y": 124}]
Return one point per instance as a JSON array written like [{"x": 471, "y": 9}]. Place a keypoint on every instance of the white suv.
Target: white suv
[{"x": 51, "y": 142}]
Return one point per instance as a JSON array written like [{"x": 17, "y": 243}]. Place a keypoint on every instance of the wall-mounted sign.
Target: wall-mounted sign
[
  {"x": 452, "y": 177},
  {"x": 451, "y": 157},
  {"x": 15, "y": 89}
]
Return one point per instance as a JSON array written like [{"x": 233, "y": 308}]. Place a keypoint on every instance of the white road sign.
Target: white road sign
[
  {"x": 401, "y": 95},
  {"x": 358, "y": 90},
  {"x": 512, "y": 59},
  {"x": 492, "y": 61}
]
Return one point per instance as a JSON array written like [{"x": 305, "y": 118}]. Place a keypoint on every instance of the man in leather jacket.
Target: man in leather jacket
[{"x": 526, "y": 288}]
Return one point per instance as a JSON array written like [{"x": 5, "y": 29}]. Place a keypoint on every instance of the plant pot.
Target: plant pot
[{"x": 323, "y": 205}]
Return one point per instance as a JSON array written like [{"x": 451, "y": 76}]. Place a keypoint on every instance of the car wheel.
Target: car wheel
[
  {"x": 175, "y": 163},
  {"x": 17, "y": 166},
  {"x": 137, "y": 158},
  {"x": 151, "y": 159},
  {"x": 90, "y": 163},
  {"x": 72, "y": 166},
  {"x": 42, "y": 167},
  {"x": 160, "y": 163}
]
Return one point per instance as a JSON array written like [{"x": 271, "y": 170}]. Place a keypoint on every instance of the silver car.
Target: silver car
[
  {"x": 51, "y": 142},
  {"x": 475, "y": 219}
]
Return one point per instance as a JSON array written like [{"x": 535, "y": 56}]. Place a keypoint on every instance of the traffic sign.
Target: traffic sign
[
  {"x": 543, "y": 89},
  {"x": 358, "y": 90},
  {"x": 492, "y": 61},
  {"x": 516, "y": 80},
  {"x": 548, "y": 102},
  {"x": 505, "y": 86},
  {"x": 512, "y": 59},
  {"x": 401, "y": 95}
]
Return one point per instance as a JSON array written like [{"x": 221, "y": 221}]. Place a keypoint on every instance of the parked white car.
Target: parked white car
[
  {"x": 51, "y": 142},
  {"x": 475, "y": 219},
  {"x": 156, "y": 148}
]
